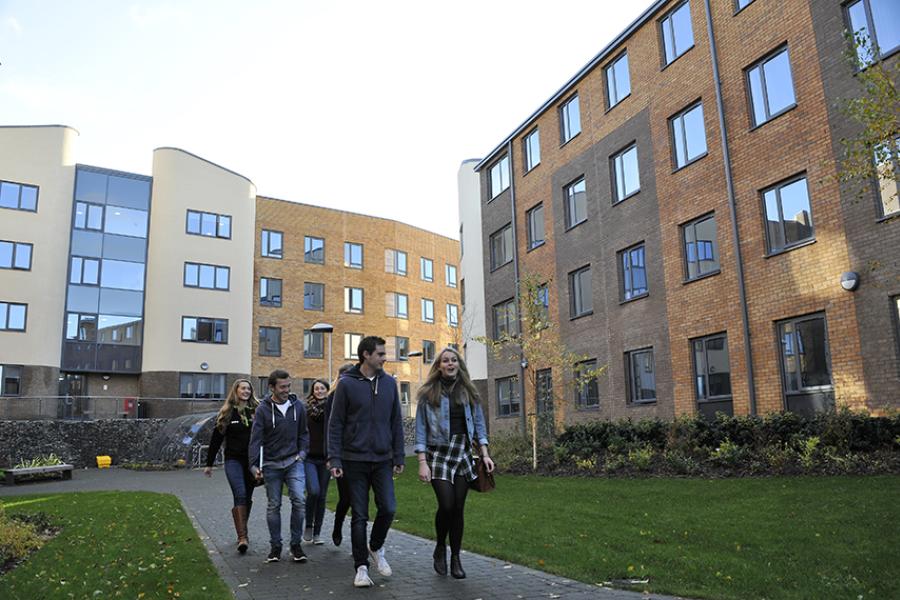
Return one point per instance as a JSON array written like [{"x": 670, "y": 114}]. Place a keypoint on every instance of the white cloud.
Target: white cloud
[{"x": 12, "y": 25}]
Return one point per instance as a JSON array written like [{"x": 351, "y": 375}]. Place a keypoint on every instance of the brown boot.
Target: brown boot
[{"x": 239, "y": 514}]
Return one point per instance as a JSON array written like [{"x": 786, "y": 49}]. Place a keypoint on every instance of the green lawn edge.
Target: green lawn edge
[{"x": 113, "y": 545}]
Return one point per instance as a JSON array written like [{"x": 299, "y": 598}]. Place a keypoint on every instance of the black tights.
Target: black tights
[{"x": 451, "y": 498}]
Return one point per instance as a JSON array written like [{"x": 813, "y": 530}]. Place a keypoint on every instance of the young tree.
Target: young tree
[
  {"x": 871, "y": 155},
  {"x": 534, "y": 342}
]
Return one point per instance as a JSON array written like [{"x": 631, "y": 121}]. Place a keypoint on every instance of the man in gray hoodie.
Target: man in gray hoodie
[
  {"x": 365, "y": 445},
  {"x": 279, "y": 443}
]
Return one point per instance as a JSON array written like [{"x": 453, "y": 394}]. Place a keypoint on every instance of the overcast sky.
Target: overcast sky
[{"x": 366, "y": 106}]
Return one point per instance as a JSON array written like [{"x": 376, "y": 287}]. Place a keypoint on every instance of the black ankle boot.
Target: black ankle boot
[
  {"x": 440, "y": 559},
  {"x": 456, "y": 570},
  {"x": 336, "y": 536}
]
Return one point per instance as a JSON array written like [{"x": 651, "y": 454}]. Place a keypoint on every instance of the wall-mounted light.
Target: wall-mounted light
[
  {"x": 850, "y": 280},
  {"x": 204, "y": 366},
  {"x": 105, "y": 377}
]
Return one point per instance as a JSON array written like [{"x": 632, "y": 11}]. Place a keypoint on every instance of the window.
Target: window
[
  {"x": 501, "y": 247},
  {"x": 576, "y": 203},
  {"x": 202, "y": 385},
  {"x": 10, "y": 380},
  {"x": 272, "y": 244},
  {"x": 771, "y": 87},
  {"x": 626, "y": 179},
  {"x": 210, "y": 277},
  {"x": 353, "y": 300},
  {"x": 452, "y": 315},
  {"x": 877, "y": 21},
  {"x": 499, "y": 175},
  {"x": 126, "y": 221},
  {"x": 313, "y": 296},
  {"x": 395, "y": 262},
  {"x": 18, "y": 196},
  {"x": 804, "y": 354},
  {"x": 569, "y": 119},
  {"x": 688, "y": 135},
  {"x": 543, "y": 391},
  {"x": 81, "y": 327},
  {"x": 313, "y": 250},
  {"x": 396, "y": 305},
  {"x": 535, "y": 220},
  {"x": 887, "y": 165},
  {"x": 542, "y": 299},
  {"x": 532, "y": 150},
  {"x": 121, "y": 274},
  {"x": 587, "y": 394},
  {"x": 13, "y": 316},
  {"x": 15, "y": 255},
  {"x": 306, "y": 385},
  {"x": 269, "y": 291},
  {"x": 204, "y": 329},
  {"x": 741, "y": 4},
  {"x": 426, "y": 269},
  {"x": 712, "y": 371},
  {"x": 701, "y": 249},
  {"x": 84, "y": 271},
  {"x": 428, "y": 351},
  {"x": 401, "y": 344},
  {"x": 634, "y": 272},
  {"x": 580, "y": 302},
  {"x": 427, "y": 310},
  {"x": 353, "y": 255},
  {"x": 89, "y": 216},
  {"x": 618, "y": 82},
  {"x": 677, "y": 33},
  {"x": 313, "y": 344},
  {"x": 505, "y": 319},
  {"x": 640, "y": 376},
  {"x": 508, "y": 397},
  {"x": 450, "y": 275},
  {"x": 788, "y": 215},
  {"x": 351, "y": 344},
  {"x": 404, "y": 395},
  {"x": 270, "y": 341},
  {"x": 208, "y": 224}
]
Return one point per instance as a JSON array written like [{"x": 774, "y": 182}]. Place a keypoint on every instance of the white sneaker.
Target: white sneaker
[
  {"x": 362, "y": 578},
  {"x": 380, "y": 563}
]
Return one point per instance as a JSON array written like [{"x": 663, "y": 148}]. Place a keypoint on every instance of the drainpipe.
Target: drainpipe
[
  {"x": 515, "y": 248},
  {"x": 732, "y": 205}
]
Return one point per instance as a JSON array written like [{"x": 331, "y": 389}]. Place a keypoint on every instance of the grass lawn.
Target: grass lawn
[
  {"x": 137, "y": 545},
  {"x": 798, "y": 537}
]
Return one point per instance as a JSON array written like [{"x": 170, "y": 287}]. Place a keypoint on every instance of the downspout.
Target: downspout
[
  {"x": 732, "y": 205},
  {"x": 515, "y": 248}
]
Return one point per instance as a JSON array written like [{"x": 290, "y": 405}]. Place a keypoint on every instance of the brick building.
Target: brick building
[{"x": 691, "y": 232}]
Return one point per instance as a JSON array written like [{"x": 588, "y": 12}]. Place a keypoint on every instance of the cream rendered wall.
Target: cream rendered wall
[
  {"x": 41, "y": 156},
  {"x": 472, "y": 268},
  {"x": 182, "y": 181}
]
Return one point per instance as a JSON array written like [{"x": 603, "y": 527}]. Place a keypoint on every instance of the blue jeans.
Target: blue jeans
[
  {"x": 317, "y": 477},
  {"x": 240, "y": 480},
  {"x": 294, "y": 477},
  {"x": 360, "y": 477}
]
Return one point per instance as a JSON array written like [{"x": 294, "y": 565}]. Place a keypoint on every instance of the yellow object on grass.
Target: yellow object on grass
[{"x": 103, "y": 462}]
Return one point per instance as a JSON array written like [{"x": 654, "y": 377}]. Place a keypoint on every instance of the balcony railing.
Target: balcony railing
[{"x": 87, "y": 408}]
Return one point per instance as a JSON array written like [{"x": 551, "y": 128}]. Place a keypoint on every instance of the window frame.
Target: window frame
[
  {"x": 306, "y": 294},
  {"x": 422, "y": 271},
  {"x": 512, "y": 386},
  {"x": 566, "y": 134},
  {"x": 401, "y": 342},
  {"x": 214, "y": 379},
  {"x": 348, "y": 300},
  {"x": 14, "y": 254},
  {"x": 266, "y": 249},
  {"x": 429, "y": 351},
  {"x": 4, "y": 315},
  {"x": 21, "y": 186},
  {"x": 704, "y": 340},
  {"x": 609, "y": 71},
  {"x": 673, "y": 148},
  {"x": 870, "y": 32},
  {"x": 662, "y": 37},
  {"x": 80, "y": 269},
  {"x": 507, "y": 254},
  {"x": 273, "y": 303},
  {"x": 777, "y": 187},
  {"x": 309, "y": 343},
  {"x": 779, "y": 337},
  {"x": 426, "y": 302},
  {"x": 309, "y": 255},
  {"x": 614, "y": 173},
  {"x": 626, "y": 272},
  {"x": 348, "y": 255},
  {"x": 392, "y": 305},
  {"x": 20, "y": 371},
  {"x": 451, "y": 309},
  {"x": 448, "y": 281},
  {"x": 760, "y": 64},
  {"x": 738, "y": 7},
  {"x": 507, "y": 310},
  {"x": 570, "y": 203},
  {"x": 220, "y": 217},
  {"x": 530, "y": 222},
  {"x": 529, "y": 150},
  {"x": 215, "y": 325},
  {"x": 574, "y": 313},
  {"x": 215, "y": 287},
  {"x": 350, "y": 348},
  {"x": 582, "y": 399},
  {"x": 264, "y": 330},
  {"x": 503, "y": 176},
  {"x": 629, "y": 375},
  {"x": 392, "y": 265},
  {"x": 879, "y": 198},
  {"x": 87, "y": 208}
]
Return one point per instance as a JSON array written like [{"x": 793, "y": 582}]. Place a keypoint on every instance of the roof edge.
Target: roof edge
[{"x": 191, "y": 154}]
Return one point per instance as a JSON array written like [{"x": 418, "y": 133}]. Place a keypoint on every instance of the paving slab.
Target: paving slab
[{"x": 329, "y": 571}]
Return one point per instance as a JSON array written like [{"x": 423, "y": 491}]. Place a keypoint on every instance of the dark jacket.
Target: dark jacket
[
  {"x": 318, "y": 431},
  {"x": 236, "y": 438},
  {"x": 279, "y": 437},
  {"x": 365, "y": 423}
]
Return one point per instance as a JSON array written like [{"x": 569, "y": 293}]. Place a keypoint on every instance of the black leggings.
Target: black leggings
[
  {"x": 343, "y": 503},
  {"x": 451, "y": 498}
]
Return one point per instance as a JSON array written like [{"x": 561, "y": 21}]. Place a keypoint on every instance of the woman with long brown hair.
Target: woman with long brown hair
[
  {"x": 317, "y": 475},
  {"x": 449, "y": 425},
  {"x": 233, "y": 428}
]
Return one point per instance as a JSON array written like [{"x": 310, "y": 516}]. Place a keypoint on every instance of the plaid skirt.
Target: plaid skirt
[{"x": 447, "y": 462}]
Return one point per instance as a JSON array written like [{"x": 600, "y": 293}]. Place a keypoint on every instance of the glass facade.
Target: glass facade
[{"x": 107, "y": 272}]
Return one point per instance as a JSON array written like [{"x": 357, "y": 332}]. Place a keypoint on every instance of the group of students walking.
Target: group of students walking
[{"x": 352, "y": 432}]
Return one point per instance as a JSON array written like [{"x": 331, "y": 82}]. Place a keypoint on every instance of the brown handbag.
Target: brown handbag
[{"x": 485, "y": 481}]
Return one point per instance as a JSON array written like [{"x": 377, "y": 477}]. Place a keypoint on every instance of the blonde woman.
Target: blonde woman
[
  {"x": 449, "y": 424},
  {"x": 233, "y": 425}
]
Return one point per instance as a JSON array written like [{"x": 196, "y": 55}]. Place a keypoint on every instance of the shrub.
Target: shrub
[
  {"x": 641, "y": 458},
  {"x": 17, "y": 538}
]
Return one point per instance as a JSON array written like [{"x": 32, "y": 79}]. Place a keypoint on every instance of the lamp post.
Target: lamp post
[
  {"x": 325, "y": 328},
  {"x": 417, "y": 354}
]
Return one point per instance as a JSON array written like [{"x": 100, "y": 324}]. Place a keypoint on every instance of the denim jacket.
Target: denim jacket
[{"x": 433, "y": 424}]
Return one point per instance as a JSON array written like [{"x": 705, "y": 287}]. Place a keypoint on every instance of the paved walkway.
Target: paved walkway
[{"x": 329, "y": 572}]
